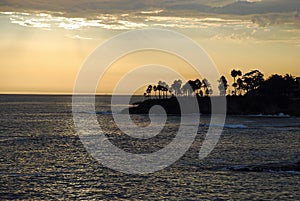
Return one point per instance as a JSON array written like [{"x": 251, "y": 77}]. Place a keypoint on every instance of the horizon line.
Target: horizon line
[{"x": 66, "y": 94}]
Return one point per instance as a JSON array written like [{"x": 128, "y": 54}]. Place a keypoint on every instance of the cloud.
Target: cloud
[
  {"x": 80, "y": 37},
  {"x": 121, "y": 22},
  {"x": 31, "y": 23},
  {"x": 48, "y": 21},
  {"x": 276, "y": 19},
  {"x": 23, "y": 19},
  {"x": 244, "y": 7},
  {"x": 194, "y": 22},
  {"x": 233, "y": 37},
  {"x": 259, "y": 7},
  {"x": 261, "y": 12},
  {"x": 229, "y": 27},
  {"x": 152, "y": 11}
]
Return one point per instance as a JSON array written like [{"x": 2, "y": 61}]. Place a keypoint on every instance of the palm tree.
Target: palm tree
[
  {"x": 163, "y": 86},
  {"x": 207, "y": 87},
  {"x": 159, "y": 88},
  {"x": 148, "y": 91},
  {"x": 234, "y": 74},
  {"x": 240, "y": 85},
  {"x": 204, "y": 81},
  {"x": 223, "y": 85},
  {"x": 165, "y": 91},
  {"x": 155, "y": 89}
]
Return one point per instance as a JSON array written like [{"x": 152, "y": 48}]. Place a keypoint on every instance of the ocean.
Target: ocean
[{"x": 43, "y": 158}]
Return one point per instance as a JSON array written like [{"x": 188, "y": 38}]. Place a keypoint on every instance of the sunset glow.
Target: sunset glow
[{"x": 42, "y": 51}]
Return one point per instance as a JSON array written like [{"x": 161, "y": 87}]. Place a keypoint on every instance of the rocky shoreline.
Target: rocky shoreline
[{"x": 236, "y": 105}]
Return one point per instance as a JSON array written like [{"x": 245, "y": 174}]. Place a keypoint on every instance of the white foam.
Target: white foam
[
  {"x": 270, "y": 115},
  {"x": 232, "y": 126},
  {"x": 291, "y": 172}
]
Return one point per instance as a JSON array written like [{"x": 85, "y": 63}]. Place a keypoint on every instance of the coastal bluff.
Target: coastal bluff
[{"x": 235, "y": 105}]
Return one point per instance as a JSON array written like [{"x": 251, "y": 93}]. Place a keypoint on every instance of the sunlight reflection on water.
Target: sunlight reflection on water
[{"x": 43, "y": 158}]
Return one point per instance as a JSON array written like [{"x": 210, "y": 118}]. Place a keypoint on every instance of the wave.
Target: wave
[
  {"x": 281, "y": 167},
  {"x": 279, "y": 115},
  {"x": 5, "y": 139},
  {"x": 123, "y": 105},
  {"x": 102, "y": 112},
  {"x": 232, "y": 126}
]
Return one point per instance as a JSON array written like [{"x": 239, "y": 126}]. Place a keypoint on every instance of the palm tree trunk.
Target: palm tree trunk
[{"x": 235, "y": 86}]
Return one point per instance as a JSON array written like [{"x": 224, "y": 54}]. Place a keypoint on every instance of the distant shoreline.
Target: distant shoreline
[{"x": 236, "y": 105}]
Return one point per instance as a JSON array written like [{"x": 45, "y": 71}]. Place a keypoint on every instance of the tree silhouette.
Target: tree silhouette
[
  {"x": 163, "y": 86},
  {"x": 159, "y": 89},
  {"x": 197, "y": 86},
  {"x": 155, "y": 89},
  {"x": 240, "y": 85},
  {"x": 278, "y": 86},
  {"x": 252, "y": 80},
  {"x": 207, "y": 87},
  {"x": 148, "y": 91},
  {"x": 276, "y": 89},
  {"x": 176, "y": 87},
  {"x": 201, "y": 93},
  {"x": 234, "y": 74},
  {"x": 165, "y": 91},
  {"x": 187, "y": 89},
  {"x": 278, "y": 93},
  {"x": 192, "y": 86},
  {"x": 223, "y": 85}
]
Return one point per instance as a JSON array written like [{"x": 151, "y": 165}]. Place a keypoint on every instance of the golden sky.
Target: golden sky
[{"x": 43, "y": 51}]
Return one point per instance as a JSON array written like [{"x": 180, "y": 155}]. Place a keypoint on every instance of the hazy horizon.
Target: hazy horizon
[{"x": 44, "y": 44}]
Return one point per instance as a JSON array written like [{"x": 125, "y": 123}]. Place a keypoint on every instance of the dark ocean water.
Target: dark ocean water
[{"x": 42, "y": 157}]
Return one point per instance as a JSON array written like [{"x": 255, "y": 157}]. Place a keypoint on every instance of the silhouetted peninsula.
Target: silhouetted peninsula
[
  {"x": 251, "y": 95},
  {"x": 236, "y": 105}
]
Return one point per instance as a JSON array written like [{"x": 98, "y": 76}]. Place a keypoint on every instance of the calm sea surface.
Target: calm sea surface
[{"x": 42, "y": 157}]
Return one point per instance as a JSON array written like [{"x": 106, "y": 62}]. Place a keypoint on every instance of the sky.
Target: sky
[{"x": 44, "y": 44}]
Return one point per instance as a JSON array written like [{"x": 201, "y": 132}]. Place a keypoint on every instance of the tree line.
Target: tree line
[
  {"x": 250, "y": 83},
  {"x": 191, "y": 87}
]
